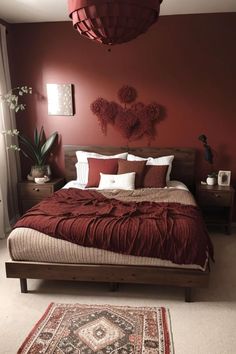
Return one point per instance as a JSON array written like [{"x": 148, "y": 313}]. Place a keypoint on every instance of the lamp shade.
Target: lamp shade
[{"x": 113, "y": 21}]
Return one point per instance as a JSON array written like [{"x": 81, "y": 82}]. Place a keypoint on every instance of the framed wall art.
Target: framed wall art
[
  {"x": 224, "y": 178},
  {"x": 60, "y": 99}
]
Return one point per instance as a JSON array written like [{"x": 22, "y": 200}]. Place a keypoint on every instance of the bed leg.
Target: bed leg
[
  {"x": 114, "y": 286},
  {"x": 188, "y": 294},
  {"x": 23, "y": 285}
]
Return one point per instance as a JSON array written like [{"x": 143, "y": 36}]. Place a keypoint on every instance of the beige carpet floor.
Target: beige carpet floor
[{"x": 207, "y": 326}]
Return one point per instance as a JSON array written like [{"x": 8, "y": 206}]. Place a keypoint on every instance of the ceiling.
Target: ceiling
[{"x": 17, "y": 11}]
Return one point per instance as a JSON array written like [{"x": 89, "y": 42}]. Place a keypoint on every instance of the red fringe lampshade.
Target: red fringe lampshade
[{"x": 113, "y": 21}]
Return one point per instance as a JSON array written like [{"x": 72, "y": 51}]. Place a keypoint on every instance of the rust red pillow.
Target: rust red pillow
[
  {"x": 125, "y": 166},
  {"x": 155, "y": 176},
  {"x": 97, "y": 166}
]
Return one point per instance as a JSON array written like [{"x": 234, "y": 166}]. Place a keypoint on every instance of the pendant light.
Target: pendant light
[{"x": 113, "y": 21}]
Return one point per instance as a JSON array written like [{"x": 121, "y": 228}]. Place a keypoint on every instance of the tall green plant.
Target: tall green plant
[{"x": 38, "y": 150}]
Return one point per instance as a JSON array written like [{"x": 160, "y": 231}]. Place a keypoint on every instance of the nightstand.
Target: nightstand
[
  {"x": 216, "y": 203},
  {"x": 31, "y": 193}
]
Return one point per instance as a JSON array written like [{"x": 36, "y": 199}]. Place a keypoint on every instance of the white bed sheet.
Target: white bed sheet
[{"x": 170, "y": 185}]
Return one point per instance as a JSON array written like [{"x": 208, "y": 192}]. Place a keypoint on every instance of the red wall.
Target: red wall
[{"x": 186, "y": 63}]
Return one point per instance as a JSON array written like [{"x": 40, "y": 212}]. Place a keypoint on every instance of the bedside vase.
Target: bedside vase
[
  {"x": 38, "y": 172},
  {"x": 211, "y": 181}
]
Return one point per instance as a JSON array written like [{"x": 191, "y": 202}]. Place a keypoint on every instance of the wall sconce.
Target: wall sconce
[{"x": 60, "y": 99}]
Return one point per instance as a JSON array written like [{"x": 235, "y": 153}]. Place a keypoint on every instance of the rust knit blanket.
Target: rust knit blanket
[{"x": 166, "y": 230}]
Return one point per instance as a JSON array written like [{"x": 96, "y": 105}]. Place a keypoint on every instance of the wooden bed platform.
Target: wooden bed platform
[
  {"x": 183, "y": 170},
  {"x": 112, "y": 274}
]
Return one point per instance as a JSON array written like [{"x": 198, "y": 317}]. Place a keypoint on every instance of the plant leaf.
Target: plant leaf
[
  {"x": 41, "y": 136},
  {"x": 36, "y": 137},
  {"x": 45, "y": 149},
  {"x": 32, "y": 149},
  {"x": 27, "y": 155}
]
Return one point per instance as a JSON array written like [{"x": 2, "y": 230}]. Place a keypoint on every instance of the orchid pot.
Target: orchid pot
[
  {"x": 211, "y": 179},
  {"x": 39, "y": 171}
]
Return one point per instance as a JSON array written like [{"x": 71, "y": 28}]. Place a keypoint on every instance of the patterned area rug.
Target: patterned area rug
[{"x": 100, "y": 329}]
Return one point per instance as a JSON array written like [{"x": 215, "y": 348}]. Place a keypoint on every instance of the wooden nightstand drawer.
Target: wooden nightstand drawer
[
  {"x": 34, "y": 191},
  {"x": 30, "y": 193},
  {"x": 214, "y": 198},
  {"x": 216, "y": 203}
]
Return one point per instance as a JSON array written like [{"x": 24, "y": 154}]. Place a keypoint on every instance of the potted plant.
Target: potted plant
[
  {"x": 39, "y": 148},
  {"x": 37, "y": 151},
  {"x": 211, "y": 179}
]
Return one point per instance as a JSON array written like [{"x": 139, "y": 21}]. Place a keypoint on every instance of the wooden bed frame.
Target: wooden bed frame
[{"x": 183, "y": 170}]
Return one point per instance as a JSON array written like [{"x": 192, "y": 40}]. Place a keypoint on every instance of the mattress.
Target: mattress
[{"x": 26, "y": 244}]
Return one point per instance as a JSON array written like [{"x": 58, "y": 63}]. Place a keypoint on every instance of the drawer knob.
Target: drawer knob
[
  {"x": 217, "y": 195},
  {"x": 36, "y": 189}
]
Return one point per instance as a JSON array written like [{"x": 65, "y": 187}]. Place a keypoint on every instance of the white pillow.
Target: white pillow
[
  {"x": 158, "y": 161},
  {"x": 123, "y": 181},
  {"x": 82, "y": 164},
  {"x": 82, "y": 172},
  {"x": 131, "y": 157},
  {"x": 163, "y": 160},
  {"x": 82, "y": 156}
]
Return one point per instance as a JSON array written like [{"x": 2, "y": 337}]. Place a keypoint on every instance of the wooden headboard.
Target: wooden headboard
[{"x": 182, "y": 169}]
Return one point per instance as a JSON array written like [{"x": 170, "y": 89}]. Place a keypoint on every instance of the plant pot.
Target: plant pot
[
  {"x": 38, "y": 171},
  {"x": 211, "y": 181}
]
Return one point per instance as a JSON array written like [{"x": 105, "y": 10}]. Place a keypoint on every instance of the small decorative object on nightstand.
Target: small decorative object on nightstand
[
  {"x": 216, "y": 203},
  {"x": 211, "y": 180},
  {"x": 224, "y": 178},
  {"x": 31, "y": 193}
]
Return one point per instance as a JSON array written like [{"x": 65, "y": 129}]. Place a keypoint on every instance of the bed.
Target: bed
[{"x": 109, "y": 266}]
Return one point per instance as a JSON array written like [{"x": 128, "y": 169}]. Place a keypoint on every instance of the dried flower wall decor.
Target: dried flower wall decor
[
  {"x": 105, "y": 112},
  {"x": 133, "y": 119},
  {"x": 127, "y": 94}
]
